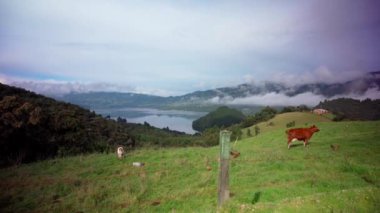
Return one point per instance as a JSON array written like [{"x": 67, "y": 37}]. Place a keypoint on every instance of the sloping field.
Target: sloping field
[
  {"x": 301, "y": 119},
  {"x": 267, "y": 177}
]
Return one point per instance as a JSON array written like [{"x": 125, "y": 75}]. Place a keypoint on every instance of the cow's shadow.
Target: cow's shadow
[{"x": 299, "y": 144}]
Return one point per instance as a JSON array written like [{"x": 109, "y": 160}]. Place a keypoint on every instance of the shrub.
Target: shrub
[{"x": 290, "y": 124}]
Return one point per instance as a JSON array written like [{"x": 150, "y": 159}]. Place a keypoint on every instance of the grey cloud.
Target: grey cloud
[
  {"x": 281, "y": 99},
  {"x": 371, "y": 93},
  {"x": 54, "y": 88},
  {"x": 320, "y": 75}
]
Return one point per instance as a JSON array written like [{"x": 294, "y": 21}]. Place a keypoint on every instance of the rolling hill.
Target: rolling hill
[
  {"x": 267, "y": 177},
  {"x": 280, "y": 121}
]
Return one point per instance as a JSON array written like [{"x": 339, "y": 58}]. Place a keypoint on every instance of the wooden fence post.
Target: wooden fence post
[{"x": 223, "y": 188}]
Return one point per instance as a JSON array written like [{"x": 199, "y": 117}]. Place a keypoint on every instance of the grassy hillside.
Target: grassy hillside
[
  {"x": 301, "y": 119},
  {"x": 266, "y": 177},
  {"x": 223, "y": 116}
]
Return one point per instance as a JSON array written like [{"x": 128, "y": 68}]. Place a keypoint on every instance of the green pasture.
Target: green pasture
[
  {"x": 266, "y": 177},
  {"x": 301, "y": 119}
]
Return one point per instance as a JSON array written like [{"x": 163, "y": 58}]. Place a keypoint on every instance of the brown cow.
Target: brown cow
[{"x": 302, "y": 134}]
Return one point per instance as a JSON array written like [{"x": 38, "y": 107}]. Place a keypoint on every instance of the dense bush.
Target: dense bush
[
  {"x": 236, "y": 132},
  {"x": 221, "y": 117},
  {"x": 291, "y": 124},
  {"x": 264, "y": 115},
  {"x": 300, "y": 108},
  {"x": 257, "y": 130},
  {"x": 351, "y": 109}
]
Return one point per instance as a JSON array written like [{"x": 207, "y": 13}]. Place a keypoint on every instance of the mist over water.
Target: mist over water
[
  {"x": 177, "y": 123},
  {"x": 178, "y": 120}
]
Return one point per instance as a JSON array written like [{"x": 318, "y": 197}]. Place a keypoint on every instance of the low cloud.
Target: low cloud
[
  {"x": 322, "y": 74},
  {"x": 358, "y": 89},
  {"x": 3, "y": 79},
  {"x": 221, "y": 100},
  {"x": 371, "y": 93},
  {"x": 281, "y": 99},
  {"x": 59, "y": 88}
]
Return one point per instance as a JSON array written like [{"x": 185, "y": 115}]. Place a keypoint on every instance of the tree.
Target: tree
[
  {"x": 236, "y": 132},
  {"x": 291, "y": 124},
  {"x": 249, "y": 134},
  {"x": 121, "y": 120},
  {"x": 257, "y": 130}
]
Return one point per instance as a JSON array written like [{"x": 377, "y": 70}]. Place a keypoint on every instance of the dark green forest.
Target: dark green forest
[
  {"x": 33, "y": 127},
  {"x": 221, "y": 117},
  {"x": 351, "y": 109}
]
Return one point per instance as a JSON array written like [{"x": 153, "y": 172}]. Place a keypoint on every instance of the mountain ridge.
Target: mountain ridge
[{"x": 224, "y": 95}]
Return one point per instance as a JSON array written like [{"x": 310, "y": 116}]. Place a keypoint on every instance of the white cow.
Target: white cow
[{"x": 120, "y": 152}]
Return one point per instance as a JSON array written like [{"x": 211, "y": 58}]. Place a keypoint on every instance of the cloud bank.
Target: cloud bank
[
  {"x": 271, "y": 99},
  {"x": 321, "y": 74},
  {"x": 53, "y": 88},
  {"x": 281, "y": 99},
  {"x": 357, "y": 89}
]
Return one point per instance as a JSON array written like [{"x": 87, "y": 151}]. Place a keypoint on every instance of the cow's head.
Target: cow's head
[{"x": 314, "y": 128}]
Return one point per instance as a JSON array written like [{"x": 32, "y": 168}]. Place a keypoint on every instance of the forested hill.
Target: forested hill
[
  {"x": 33, "y": 127},
  {"x": 351, "y": 109},
  {"x": 221, "y": 117}
]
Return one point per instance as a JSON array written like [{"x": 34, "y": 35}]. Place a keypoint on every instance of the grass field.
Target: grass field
[
  {"x": 267, "y": 177},
  {"x": 301, "y": 119}
]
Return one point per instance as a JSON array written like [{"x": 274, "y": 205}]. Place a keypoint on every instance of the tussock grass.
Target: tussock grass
[{"x": 266, "y": 177}]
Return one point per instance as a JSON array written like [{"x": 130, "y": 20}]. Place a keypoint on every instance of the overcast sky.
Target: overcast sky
[{"x": 175, "y": 47}]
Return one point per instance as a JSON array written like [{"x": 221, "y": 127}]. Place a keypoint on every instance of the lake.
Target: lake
[{"x": 178, "y": 120}]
